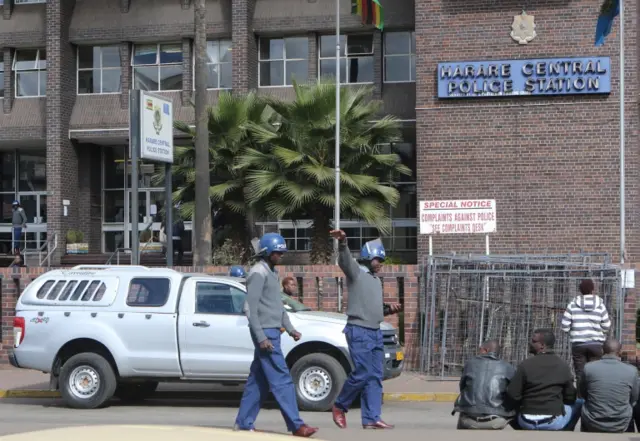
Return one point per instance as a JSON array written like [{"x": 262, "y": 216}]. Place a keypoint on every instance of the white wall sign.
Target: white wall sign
[
  {"x": 466, "y": 216},
  {"x": 156, "y": 128}
]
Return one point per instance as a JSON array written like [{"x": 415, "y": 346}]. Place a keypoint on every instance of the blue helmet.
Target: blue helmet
[
  {"x": 15, "y": 203},
  {"x": 237, "y": 271},
  {"x": 271, "y": 243},
  {"x": 373, "y": 249}
]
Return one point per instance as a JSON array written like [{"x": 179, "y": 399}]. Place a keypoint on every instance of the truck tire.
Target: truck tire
[
  {"x": 87, "y": 381},
  {"x": 318, "y": 379},
  {"x": 134, "y": 392}
]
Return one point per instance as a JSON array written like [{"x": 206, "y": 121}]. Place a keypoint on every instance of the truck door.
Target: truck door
[{"x": 214, "y": 337}]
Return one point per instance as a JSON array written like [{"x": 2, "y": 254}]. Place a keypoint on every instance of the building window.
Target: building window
[
  {"x": 157, "y": 67},
  {"x": 356, "y": 58},
  {"x": 1, "y": 73},
  {"x": 30, "y": 67},
  {"x": 99, "y": 69},
  {"x": 218, "y": 65},
  {"x": 281, "y": 60},
  {"x": 399, "y": 57}
]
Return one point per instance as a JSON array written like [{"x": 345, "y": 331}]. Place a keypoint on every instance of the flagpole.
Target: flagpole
[
  {"x": 622, "y": 146},
  {"x": 336, "y": 214}
]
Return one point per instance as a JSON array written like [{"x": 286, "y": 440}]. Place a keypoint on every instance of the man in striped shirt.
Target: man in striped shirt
[{"x": 587, "y": 322}]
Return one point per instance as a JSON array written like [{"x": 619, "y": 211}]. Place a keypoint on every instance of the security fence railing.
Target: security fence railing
[{"x": 466, "y": 299}]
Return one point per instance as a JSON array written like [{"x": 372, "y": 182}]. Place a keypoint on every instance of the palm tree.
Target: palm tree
[
  {"x": 295, "y": 177},
  {"x": 228, "y": 123}
]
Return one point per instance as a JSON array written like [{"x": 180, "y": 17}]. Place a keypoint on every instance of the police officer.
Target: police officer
[
  {"x": 266, "y": 316},
  {"x": 237, "y": 271},
  {"x": 365, "y": 312}
]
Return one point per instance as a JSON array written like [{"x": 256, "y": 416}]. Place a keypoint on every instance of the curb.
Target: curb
[{"x": 440, "y": 397}]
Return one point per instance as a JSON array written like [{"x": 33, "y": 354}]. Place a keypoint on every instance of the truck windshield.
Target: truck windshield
[{"x": 293, "y": 305}]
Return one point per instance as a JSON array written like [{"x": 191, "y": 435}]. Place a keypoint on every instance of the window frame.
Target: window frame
[
  {"x": 193, "y": 65},
  {"x": 284, "y": 60},
  {"x": 157, "y": 64},
  {"x": 411, "y": 56},
  {"x": 231, "y": 287},
  {"x": 101, "y": 69},
  {"x": 147, "y": 305},
  {"x": 36, "y": 62},
  {"x": 346, "y": 56}
]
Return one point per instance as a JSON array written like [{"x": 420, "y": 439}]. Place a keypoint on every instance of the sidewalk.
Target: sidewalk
[{"x": 410, "y": 386}]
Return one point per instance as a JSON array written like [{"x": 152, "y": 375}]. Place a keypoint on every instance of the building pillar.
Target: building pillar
[
  {"x": 7, "y": 101},
  {"x": 313, "y": 57},
  {"x": 377, "y": 64},
  {"x": 62, "y": 159},
  {"x": 187, "y": 72},
  {"x": 245, "y": 47},
  {"x": 125, "y": 77}
]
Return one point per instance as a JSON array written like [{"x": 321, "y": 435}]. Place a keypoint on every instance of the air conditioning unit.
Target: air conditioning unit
[{"x": 27, "y": 2}]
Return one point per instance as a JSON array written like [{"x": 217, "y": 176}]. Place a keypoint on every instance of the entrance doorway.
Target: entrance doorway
[
  {"x": 35, "y": 207},
  {"x": 150, "y": 205}
]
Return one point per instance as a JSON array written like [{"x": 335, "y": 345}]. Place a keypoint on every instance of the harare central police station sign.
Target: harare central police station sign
[{"x": 550, "y": 76}]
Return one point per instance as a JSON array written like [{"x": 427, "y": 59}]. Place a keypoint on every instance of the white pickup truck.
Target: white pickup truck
[{"x": 104, "y": 331}]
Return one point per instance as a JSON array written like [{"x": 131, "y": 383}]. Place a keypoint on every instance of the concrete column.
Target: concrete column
[
  {"x": 125, "y": 78},
  {"x": 187, "y": 72}
]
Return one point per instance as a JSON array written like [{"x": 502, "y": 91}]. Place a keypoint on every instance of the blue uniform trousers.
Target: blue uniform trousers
[
  {"x": 269, "y": 370},
  {"x": 367, "y": 352}
]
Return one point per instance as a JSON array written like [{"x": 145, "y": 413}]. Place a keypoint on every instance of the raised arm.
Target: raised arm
[
  {"x": 605, "y": 321},
  {"x": 346, "y": 262},
  {"x": 255, "y": 285}
]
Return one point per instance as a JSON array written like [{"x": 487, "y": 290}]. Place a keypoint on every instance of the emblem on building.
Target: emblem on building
[
  {"x": 523, "y": 29},
  {"x": 157, "y": 120}
]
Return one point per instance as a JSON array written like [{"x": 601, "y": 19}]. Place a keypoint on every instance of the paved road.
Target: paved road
[
  {"x": 415, "y": 421},
  {"x": 22, "y": 415}
]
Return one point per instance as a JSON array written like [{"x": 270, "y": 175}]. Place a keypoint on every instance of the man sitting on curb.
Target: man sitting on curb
[
  {"x": 543, "y": 389},
  {"x": 483, "y": 386},
  {"x": 610, "y": 390}
]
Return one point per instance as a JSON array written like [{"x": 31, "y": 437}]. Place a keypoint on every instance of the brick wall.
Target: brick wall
[
  {"x": 317, "y": 286},
  {"x": 552, "y": 164},
  {"x": 62, "y": 160}
]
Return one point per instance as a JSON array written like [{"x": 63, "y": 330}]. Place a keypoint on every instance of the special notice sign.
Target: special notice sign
[{"x": 467, "y": 216}]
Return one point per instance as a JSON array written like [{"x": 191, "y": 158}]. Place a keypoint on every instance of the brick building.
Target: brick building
[
  {"x": 69, "y": 66},
  {"x": 551, "y": 162}
]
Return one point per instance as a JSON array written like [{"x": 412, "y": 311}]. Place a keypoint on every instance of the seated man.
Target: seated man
[
  {"x": 610, "y": 390},
  {"x": 543, "y": 389},
  {"x": 482, "y": 390}
]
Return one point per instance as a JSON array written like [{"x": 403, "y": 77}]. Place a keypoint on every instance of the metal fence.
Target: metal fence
[{"x": 465, "y": 300}]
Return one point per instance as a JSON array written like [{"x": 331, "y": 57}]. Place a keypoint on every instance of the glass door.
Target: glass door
[
  {"x": 35, "y": 207},
  {"x": 150, "y": 203}
]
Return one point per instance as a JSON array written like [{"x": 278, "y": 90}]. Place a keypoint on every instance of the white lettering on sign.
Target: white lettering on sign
[{"x": 465, "y": 216}]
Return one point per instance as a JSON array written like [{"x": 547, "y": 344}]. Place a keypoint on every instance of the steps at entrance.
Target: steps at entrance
[{"x": 147, "y": 259}]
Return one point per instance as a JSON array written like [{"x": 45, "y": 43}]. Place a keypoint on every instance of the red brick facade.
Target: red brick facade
[
  {"x": 551, "y": 163},
  {"x": 319, "y": 290}
]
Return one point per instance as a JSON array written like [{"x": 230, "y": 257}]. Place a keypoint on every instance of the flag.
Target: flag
[
  {"x": 608, "y": 12},
  {"x": 370, "y": 11}
]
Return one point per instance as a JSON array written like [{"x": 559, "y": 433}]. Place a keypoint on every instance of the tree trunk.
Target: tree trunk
[
  {"x": 321, "y": 243},
  {"x": 202, "y": 229}
]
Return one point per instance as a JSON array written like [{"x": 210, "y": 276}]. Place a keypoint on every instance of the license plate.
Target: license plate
[{"x": 399, "y": 356}]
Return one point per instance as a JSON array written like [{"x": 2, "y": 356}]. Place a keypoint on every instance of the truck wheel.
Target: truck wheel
[
  {"x": 132, "y": 392},
  {"x": 87, "y": 381},
  {"x": 318, "y": 379}
]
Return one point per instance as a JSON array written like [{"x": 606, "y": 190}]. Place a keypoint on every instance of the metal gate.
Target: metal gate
[{"x": 465, "y": 300}]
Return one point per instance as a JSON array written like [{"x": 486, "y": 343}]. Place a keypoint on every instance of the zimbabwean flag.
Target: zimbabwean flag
[{"x": 370, "y": 11}]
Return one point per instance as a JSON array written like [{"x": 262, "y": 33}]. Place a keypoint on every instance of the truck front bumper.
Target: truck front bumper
[{"x": 393, "y": 361}]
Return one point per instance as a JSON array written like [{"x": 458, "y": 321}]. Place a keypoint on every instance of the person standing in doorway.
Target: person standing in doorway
[
  {"x": 177, "y": 232},
  {"x": 365, "y": 312},
  {"x": 587, "y": 322},
  {"x": 18, "y": 223},
  {"x": 266, "y": 315}
]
